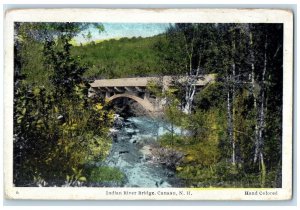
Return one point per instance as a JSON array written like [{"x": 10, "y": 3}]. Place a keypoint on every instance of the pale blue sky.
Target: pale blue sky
[{"x": 118, "y": 30}]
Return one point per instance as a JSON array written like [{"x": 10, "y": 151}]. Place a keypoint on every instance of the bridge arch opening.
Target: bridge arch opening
[{"x": 144, "y": 103}]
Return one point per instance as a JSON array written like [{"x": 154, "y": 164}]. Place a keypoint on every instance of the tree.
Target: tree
[
  {"x": 268, "y": 45},
  {"x": 188, "y": 53},
  {"x": 30, "y": 38},
  {"x": 248, "y": 63},
  {"x": 56, "y": 131},
  {"x": 246, "y": 55},
  {"x": 67, "y": 72},
  {"x": 228, "y": 52}
]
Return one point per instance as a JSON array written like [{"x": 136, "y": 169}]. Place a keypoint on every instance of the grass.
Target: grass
[{"x": 105, "y": 173}]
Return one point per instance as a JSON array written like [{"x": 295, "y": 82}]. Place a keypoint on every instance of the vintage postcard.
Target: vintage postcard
[{"x": 137, "y": 104}]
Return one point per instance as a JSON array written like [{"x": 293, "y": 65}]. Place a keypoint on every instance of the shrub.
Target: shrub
[
  {"x": 105, "y": 173},
  {"x": 56, "y": 132}
]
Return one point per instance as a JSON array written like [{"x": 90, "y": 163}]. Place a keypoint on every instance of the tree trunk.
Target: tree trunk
[
  {"x": 253, "y": 86},
  {"x": 192, "y": 88},
  {"x": 262, "y": 118},
  {"x": 232, "y": 86},
  {"x": 233, "y": 117},
  {"x": 191, "y": 78},
  {"x": 190, "y": 92},
  {"x": 230, "y": 119}
]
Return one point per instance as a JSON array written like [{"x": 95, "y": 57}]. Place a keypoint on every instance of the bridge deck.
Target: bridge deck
[{"x": 143, "y": 81}]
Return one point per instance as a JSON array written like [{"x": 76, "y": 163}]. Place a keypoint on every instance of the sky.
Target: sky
[{"x": 118, "y": 30}]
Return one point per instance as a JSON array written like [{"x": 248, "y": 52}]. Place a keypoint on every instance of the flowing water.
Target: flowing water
[{"x": 131, "y": 152}]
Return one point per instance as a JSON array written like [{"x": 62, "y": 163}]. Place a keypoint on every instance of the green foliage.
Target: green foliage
[
  {"x": 188, "y": 47},
  {"x": 167, "y": 140},
  {"x": 55, "y": 138},
  {"x": 32, "y": 128},
  {"x": 30, "y": 39},
  {"x": 31, "y": 59},
  {"x": 120, "y": 58},
  {"x": 104, "y": 174},
  {"x": 211, "y": 96},
  {"x": 201, "y": 149},
  {"x": 67, "y": 73},
  {"x": 155, "y": 88},
  {"x": 223, "y": 174},
  {"x": 57, "y": 131}
]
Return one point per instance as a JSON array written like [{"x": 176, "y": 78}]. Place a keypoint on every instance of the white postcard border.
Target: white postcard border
[{"x": 153, "y": 16}]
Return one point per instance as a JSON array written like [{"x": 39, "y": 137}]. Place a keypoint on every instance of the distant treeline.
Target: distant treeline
[{"x": 125, "y": 57}]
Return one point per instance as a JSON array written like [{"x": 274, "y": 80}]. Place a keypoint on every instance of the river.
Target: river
[{"x": 131, "y": 153}]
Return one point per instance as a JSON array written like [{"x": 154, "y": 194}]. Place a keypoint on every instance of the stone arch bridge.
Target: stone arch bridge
[{"x": 136, "y": 88}]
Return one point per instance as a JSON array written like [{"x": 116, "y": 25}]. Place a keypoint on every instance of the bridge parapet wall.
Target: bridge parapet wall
[
  {"x": 135, "y": 88},
  {"x": 202, "y": 80}
]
